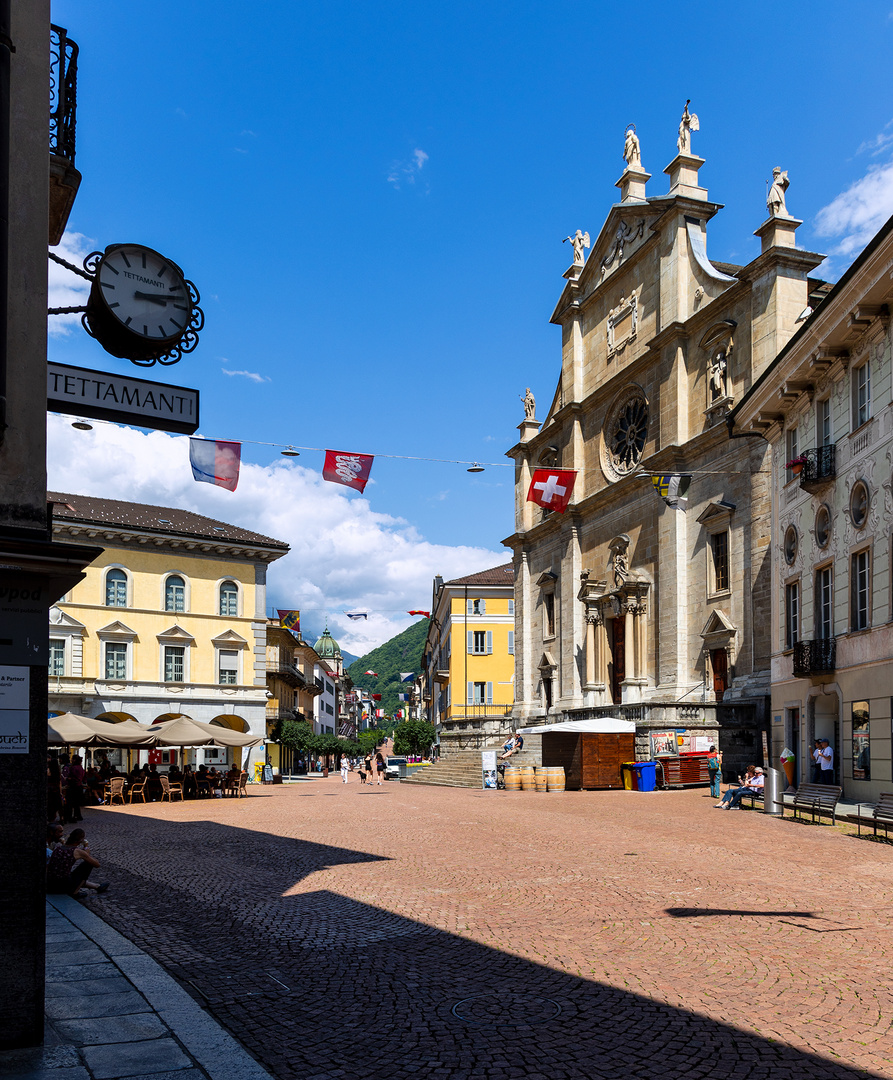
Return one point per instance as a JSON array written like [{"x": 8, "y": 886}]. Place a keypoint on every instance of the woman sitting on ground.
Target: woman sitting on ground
[
  {"x": 753, "y": 781},
  {"x": 69, "y": 867}
]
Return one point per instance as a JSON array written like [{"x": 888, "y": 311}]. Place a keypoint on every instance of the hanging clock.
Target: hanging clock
[{"x": 141, "y": 306}]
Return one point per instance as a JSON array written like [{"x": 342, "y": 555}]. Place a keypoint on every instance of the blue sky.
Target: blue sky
[{"x": 371, "y": 199}]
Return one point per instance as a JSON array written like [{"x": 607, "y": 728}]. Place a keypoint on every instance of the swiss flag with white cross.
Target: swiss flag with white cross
[{"x": 552, "y": 488}]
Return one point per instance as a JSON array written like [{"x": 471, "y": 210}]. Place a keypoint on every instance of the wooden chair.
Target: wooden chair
[
  {"x": 137, "y": 789},
  {"x": 243, "y": 785},
  {"x": 114, "y": 789},
  {"x": 168, "y": 790},
  {"x": 202, "y": 787}
]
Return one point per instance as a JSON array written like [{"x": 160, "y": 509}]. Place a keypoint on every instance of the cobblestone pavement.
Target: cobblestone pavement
[{"x": 410, "y": 931}]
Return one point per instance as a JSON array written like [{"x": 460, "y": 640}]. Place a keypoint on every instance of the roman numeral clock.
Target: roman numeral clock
[{"x": 141, "y": 307}]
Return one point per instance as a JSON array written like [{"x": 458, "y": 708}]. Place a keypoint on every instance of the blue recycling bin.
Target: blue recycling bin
[{"x": 646, "y": 774}]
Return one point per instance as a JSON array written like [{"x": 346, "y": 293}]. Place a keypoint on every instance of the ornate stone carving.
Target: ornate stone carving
[
  {"x": 687, "y": 125},
  {"x": 623, "y": 324},
  {"x": 529, "y": 405},
  {"x": 580, "y": 240},
  {"x": 625, "y": 433},
  {"x": 624, "y": 236}
]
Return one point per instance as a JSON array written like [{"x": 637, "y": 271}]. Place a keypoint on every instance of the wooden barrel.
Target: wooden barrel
[
  {"x": 541, "y": 779},
  {"x": 528, "y": 778},
  {"x": 512, "y": 778},
  {"x": 555, "y": 778}
]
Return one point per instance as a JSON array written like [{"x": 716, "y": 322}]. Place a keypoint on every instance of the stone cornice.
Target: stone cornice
[{"x": 195, "y": 547}]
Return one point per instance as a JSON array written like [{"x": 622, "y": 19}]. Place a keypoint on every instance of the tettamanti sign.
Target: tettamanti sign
[{"x": 101, "y": 395}]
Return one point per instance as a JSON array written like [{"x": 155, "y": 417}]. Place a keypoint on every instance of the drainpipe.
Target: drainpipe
[{"x": 6, "y": 50}]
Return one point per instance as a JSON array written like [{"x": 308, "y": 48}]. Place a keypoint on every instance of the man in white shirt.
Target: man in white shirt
[{"x": 826, "y": 762}]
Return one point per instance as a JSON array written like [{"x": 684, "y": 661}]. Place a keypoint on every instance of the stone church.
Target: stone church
[{"x": 627, "y": 605}]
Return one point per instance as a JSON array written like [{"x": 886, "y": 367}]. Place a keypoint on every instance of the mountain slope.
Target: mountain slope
[{"x": 401, "y": 653}]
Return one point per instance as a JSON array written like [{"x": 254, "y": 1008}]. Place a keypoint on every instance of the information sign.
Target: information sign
[{"x": 15, "y": 716}]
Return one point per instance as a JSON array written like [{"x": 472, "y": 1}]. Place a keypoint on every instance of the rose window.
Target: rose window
[{"x": 626, "y": 441}]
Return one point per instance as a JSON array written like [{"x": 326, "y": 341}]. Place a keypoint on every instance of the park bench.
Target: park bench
[
  {"x": 881, "y": 812},
  {"x": 818, "y": 798},
  {"x": 753, "y": 794}
]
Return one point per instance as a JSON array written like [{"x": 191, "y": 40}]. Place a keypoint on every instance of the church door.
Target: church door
[
  {"x": 719, "y": 661},
  {"x": 618, "y": 655}
]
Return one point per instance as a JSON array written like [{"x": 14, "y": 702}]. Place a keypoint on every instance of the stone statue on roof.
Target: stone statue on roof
[
  {"x": 632, "y": 153},
  {"x": 687, "y": 125},
  {"x": 529, "y": 405},
  {"x": 580, "y": 240},
  {"x": 775, "y": 199}
]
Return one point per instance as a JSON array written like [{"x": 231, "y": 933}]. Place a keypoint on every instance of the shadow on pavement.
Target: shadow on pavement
[{"x": 695, "y": 913}]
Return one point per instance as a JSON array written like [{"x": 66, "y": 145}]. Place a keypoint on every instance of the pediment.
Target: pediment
[
  {"x": 719, "y": 331},
  {"x": 547, "y": 662},
  {"x": 117, "y": 629},
  {"x": 61, "y": 620},
  {"x": 229, "y": 637},
  {"x": 546, "y": 579},
  {"x": 719, "y": 625},
  {"x": 716, "y": 513},
  {"x": 178, "y": 634}
]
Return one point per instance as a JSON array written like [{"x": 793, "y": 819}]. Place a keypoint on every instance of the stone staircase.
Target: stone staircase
[{"x": 462, "y": 769}]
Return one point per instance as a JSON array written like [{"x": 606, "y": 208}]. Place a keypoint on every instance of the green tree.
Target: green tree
[
  {"x": 297, "y": 735},
  {"x": 413, "y": 737}
]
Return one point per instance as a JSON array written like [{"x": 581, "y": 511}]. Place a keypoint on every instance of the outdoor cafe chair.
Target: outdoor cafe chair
[
  {"x": 137, "y": 789},
  {"x": 114, "y": 789},
  {"x": 243, "y": 785},
  {"x": 168, "y": 790},
  {"x": 202, "y": 787}
]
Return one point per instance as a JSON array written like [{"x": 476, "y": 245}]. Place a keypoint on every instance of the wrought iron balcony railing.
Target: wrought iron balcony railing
[
  {"x": 819, "y": 467},
  {"x": 815, "y": 657},
  {"x": 63, "y": 93}
]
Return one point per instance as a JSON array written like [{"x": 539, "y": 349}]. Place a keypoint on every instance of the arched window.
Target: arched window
[
  {"x": 116, "y": 589},
  {"x": 229, "y": 598},
  {"x": 175, "y": 593}
]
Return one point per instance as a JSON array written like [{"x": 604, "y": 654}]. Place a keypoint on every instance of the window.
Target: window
[
  {"x": 116, "y": 660},
  {"x": 548, "y": 614},
  {"x": 477, "y": 607},
  {"x": 791, "y": 614},
  {"x": 824, "y": 619},
  {"x": 480, "y": 642},
  {"x": 719, "y": 547},
  {"x": 823, "y": 422},
  {"x": 175, "y": 594},
  {"x": 57, "y": 658},
  {"x": 480, "y": 693},
  {"x": 229, "y": 599},
  {"x": 790, "y": 545},
  {"x": 823, "y": 526},
  {"x": 174, "y": 660},
  {"x": 228, "y": 667},
  {"x": 859, "y": 571},
  {"x": 511, "y": 607},
  {"x": 511, "y": 642},
  {"x": 116, "y": 589},
  {"x": 861, "y": 741},
  {"x": 861, "y": 395},
  {"x": 792, "y": 449}
]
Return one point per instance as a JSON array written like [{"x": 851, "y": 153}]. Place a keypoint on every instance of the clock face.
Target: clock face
[{"x": 145, "y": 292}]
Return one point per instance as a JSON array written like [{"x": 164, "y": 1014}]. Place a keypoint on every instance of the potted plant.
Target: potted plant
[{"x": 796, "y": 465}]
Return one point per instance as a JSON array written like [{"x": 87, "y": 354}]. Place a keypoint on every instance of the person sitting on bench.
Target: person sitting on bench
[{"x": 732, "y": 798}]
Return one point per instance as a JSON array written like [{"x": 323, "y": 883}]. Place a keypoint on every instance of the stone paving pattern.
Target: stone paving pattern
[{"x": 410, "y": 931}]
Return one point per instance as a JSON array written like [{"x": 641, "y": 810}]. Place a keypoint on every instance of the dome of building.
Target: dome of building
[{"x": 327, "y": 647}]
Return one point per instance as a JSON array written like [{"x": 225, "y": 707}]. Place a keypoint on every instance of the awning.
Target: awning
[
  {"x": 184, "y": 731},
  {"x": 69, "y": 729},
  {"x": 602, "y": 725}
]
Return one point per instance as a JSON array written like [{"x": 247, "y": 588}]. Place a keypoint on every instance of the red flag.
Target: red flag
[
  {"x": 552, "y": 488},
  {"x": 352, "y": 470},
  {"x": 427, "y": 614},
  {"x": 376, "y": 697},
  {"x": 290, "y": 620}
]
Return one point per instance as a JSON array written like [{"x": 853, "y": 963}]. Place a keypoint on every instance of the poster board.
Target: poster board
[{"x": 488, "y": 770}]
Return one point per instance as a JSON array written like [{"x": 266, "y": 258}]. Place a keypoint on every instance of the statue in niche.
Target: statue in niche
[
  {"x": 775, "y": 199},
  {"x": 529, "y": 405},
  {"x": 580, "y": 240},
  {"x": 719, "y": 367},
  {"x": 632, "y": 153},
  {"x": 620, "y": 559},
  {"x": 687, "y": 125}
]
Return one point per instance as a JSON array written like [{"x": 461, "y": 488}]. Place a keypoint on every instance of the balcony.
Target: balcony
[
  {"x": 289, "y": 673},
  {"x": 819, "y": 467},
  {"x": 814, "y": 657},
  {"x": 64, "y": 177}
]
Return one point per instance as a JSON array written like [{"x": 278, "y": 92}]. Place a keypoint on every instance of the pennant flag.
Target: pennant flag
[
  {"x": 379, "y": 714},
  {"x": 376, "y": 697},
  {"x": 552, "y": 488},
  {"x": 398, "y": 715},
  {"x": 403, "y": 697},
  {"x": 352, "y": 470},
  {"x": 357, "y": 615},
  {"x": 375, "y": 673},
  {"x": 407, "y": 676},
  {"x": 215, "y": 462},
  {"x": 290, "y": 620},
  {"x": 427, "y": 614},
  {"x": 672, "y": 487}
]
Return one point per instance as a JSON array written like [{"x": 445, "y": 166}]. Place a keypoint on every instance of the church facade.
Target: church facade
[{"x": 625, "y": 604}]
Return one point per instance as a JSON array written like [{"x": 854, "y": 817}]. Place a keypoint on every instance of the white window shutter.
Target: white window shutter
[
  {"x": 471, "y": 640},
  {"x": 489, "y": 693},
  {"x": 489, "y": 642},
  {"x": 511, "y": 642},
  {"x": 469, "y": 607},
  {"x": 511, "y": 607},
  {"x": 483, "y": 607},
  {"x": 471, "y": 693}
]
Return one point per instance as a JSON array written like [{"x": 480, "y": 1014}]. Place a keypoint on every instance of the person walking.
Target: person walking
[
  {"x": 345, "y": 768},
  {"x": 714, "y": 771},
  {"x": 380, "y": 768}
]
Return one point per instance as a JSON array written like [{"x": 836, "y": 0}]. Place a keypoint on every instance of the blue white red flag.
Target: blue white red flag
[
  {"x": 407, "y": 676},
  {"x": 403, "y": 697},
  {"x": 215, "y": 462},
  {"x": 357, "y": 615}
]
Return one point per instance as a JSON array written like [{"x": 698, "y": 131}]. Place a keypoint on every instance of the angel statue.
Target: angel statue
[
  {"x": 687, "y": 125},
  {"x": 580, "y": 240},
  {"x": 775, "y": 199},
  {"x": 632, "y": 153},
  {"x": 529, "y": 405}
]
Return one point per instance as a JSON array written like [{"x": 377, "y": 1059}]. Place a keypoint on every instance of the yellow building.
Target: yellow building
[
  {"x": 468, "y": 666},
  {"x": 169, "y": 621},
  {"x": 291, "y": 689}
]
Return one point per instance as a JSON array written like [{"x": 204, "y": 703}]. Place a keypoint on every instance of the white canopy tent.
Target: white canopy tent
[{"x": 602, "y": 725}]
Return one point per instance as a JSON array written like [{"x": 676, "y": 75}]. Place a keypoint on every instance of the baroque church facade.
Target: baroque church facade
[{"x": 626, "y": 605}]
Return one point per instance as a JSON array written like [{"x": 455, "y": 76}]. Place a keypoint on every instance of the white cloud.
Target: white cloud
[
  {"x": 344, "y": 556},
  {"x": 405, "y": 172},
  {"x": 65, "y": 288},
  {"x": 856, "y": 214},
  {"x": 253, "y": 375}
]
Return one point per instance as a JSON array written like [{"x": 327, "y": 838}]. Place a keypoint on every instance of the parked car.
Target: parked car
[{"x": 395, "y": 768}]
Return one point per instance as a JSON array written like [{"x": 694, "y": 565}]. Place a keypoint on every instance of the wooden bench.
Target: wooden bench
[
  {"x": 753, "y": 794},
  {"x": 821, "y": 798},
  {"x": 881, "y": 812}
]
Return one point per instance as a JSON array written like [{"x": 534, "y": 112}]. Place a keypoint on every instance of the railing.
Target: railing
[
  {"x": 815, "y": 657},
  {"x": 819, "y": 467},
  {"x": 63, "y": 93},
  {"x": 287, "y": 670},
  {"x": 476, "y": 712}
]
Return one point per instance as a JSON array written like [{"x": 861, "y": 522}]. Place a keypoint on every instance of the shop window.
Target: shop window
[{"x": 861, "y": 741}]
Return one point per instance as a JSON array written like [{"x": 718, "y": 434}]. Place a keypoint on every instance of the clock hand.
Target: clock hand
[{"x": 156, "y": 298}]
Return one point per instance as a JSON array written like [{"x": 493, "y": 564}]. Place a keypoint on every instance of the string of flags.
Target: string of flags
[{"x": 552, "y": 489}]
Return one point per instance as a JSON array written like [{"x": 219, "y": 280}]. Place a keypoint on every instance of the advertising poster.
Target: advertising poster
[
  {"x": 663, "y": 743},
  {"x": 488, "y": 769}
]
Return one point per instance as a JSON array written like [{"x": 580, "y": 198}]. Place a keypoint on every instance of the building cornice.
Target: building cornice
[{"x": 136, "y": 538}]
